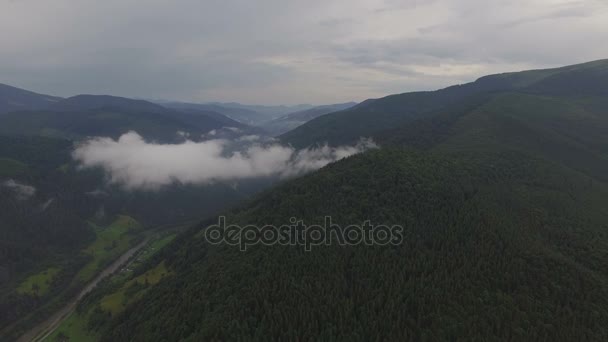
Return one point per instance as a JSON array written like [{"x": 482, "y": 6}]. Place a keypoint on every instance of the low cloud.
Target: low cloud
[
  {"x": 47, "y": 204},
  {"x": 251, "y": 137},
  {"x": 22, "y": 191},
  {"x": 136, "y": 164}
]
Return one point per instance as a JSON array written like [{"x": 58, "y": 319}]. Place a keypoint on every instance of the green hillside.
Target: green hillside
[
  {"x": 500, "y": 246},
  {"x": 566, "y": 131}
]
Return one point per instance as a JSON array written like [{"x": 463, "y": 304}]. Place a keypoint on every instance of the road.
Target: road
[{"x": 46, "y": 328}]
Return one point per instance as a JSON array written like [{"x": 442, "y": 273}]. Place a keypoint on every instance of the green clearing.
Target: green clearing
[
  {"x": 160, "y": 243},
  {"x": 155, "y": 246},
  {"x": 64, "y": 168},
  {"x": 11, "y": 167},
  {"x": 38, "y": 284},
  {"x": 146, "y": 253},
  {"x": 153, "y": 276},
  {"x": 109, "y": 244},
  {"x": 74, "y": 328},
  {"x": 116, "y": 302}
]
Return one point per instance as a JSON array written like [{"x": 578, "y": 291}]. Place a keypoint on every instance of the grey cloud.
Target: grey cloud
[
  {"x": 275, "y": 51},
  {"x": 569, "y": 10},
  {"x": 335, "y": 23},
  {"x": 136, "y": 164},
  {"x": 21, "y": 191},
  {"x": 533, "y": 40},
  {"x": 46, "y": 204},
  {"x": 97, "y": 193},
  {"x": 395, "y": 5},
  {"x": 402, "y": 51}
]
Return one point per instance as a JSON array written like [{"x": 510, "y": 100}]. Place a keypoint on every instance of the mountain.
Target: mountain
[
  {"x": 374, "y": 116},
  {"x": 94, "y": 115},
  {"x": 242, "y": 115},
  {"x": 15, "y": 99},
  {"x": 502, "y": 198},
  {"x": 309, "y": 114},
  {"x": 293, "y": 120},
  {"x": 268, "y": 111},
  {"x": 252, "y": 115}
]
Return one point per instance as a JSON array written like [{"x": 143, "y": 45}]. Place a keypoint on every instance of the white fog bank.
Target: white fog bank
[{"x": 136, "y": 164}]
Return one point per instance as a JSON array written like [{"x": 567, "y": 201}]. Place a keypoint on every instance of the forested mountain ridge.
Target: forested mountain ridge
[
  {"x": 252, "y": 115},
  {"x": 500, "y": 245},
  {"x": 566, "y": 131},
  {"x": 503, "y": 196},
  {"x": 374, "y": 116}
]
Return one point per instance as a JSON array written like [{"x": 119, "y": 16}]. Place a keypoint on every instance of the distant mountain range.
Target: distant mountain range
[
  {"x": 243, "y": 115},
  {"x": 271, "y": 111},
  {"x": 102, "y": 115},
  {"x": 272, "y": 118},
  {"x": 292, "y": 120}
]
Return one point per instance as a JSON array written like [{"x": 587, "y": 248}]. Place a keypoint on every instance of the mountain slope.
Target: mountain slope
[
  {"x": 92, "y": 115},
  {"x": 15, "y": 99},
  {"x": 242, "y": 115},
  {"x": 269, "y": 111},
  {"x": 491, "y": 239},
  {"x": 371, "y": 117},
  {"x": 565, "y": 131}
]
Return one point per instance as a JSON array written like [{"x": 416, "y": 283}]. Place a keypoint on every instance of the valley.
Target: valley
[{"x": 87, "y": 226}]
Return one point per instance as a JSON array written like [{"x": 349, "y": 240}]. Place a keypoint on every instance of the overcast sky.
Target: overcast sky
[{"x": 286, "y": 51}]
